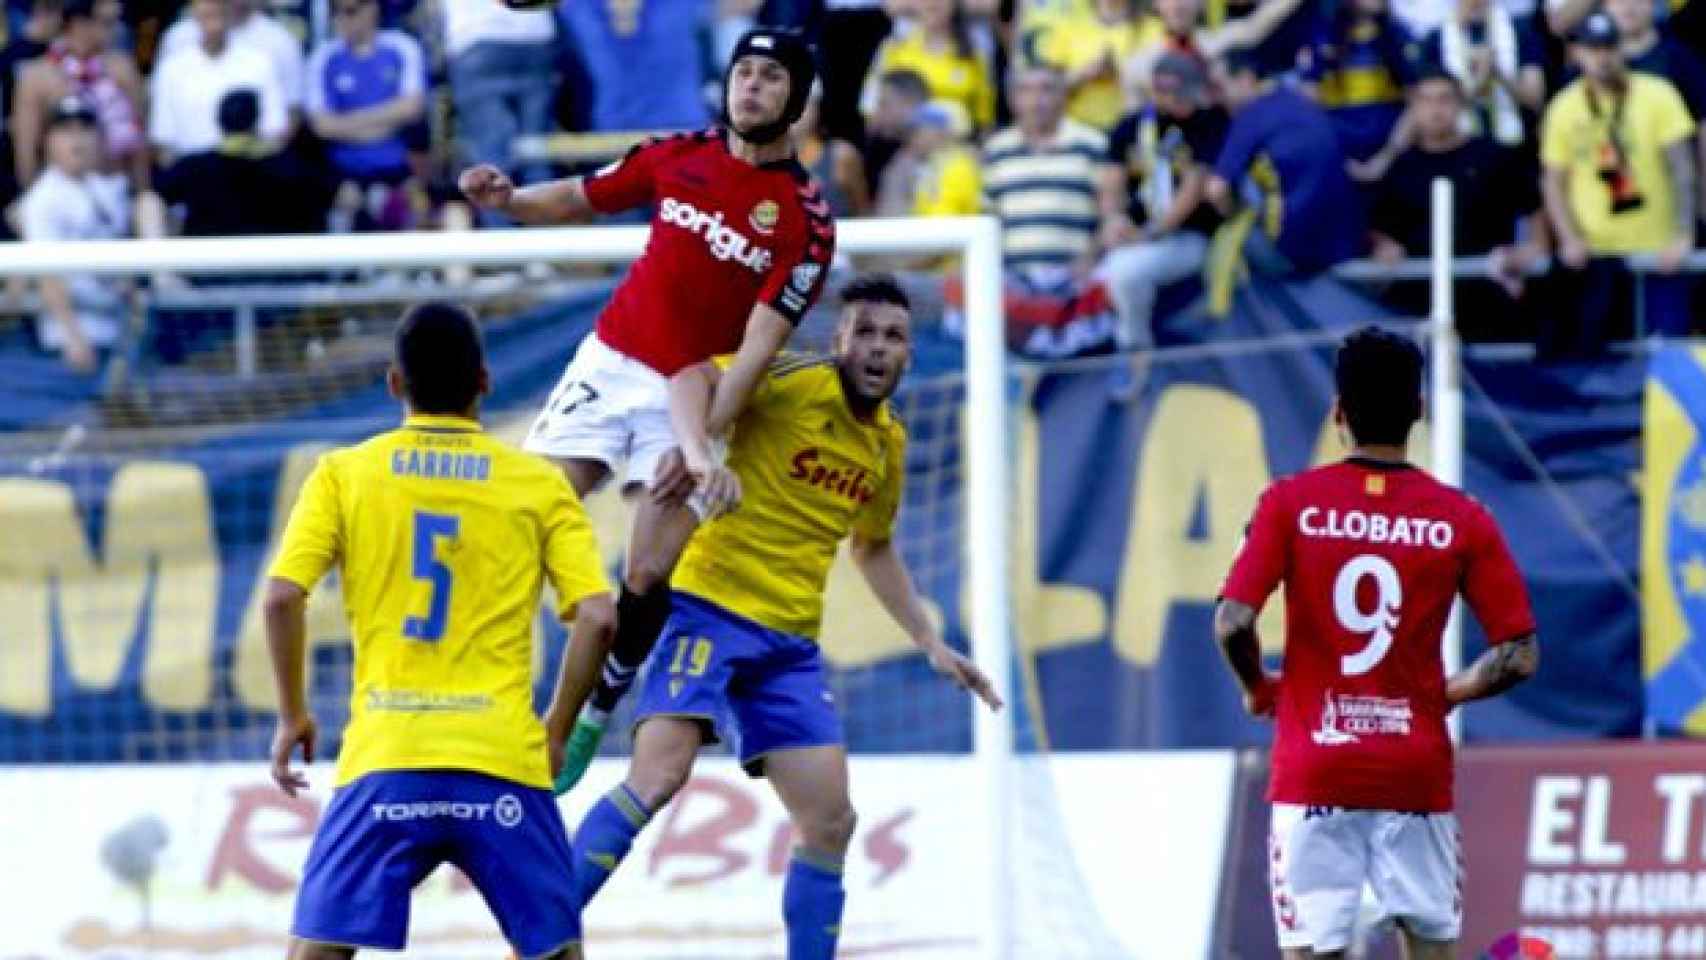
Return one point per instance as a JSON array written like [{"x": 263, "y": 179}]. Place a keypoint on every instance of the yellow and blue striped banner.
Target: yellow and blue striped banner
[{"x": 1673, "y": 541}]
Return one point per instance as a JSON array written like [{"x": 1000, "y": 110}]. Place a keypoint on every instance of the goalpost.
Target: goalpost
[{"x": 975, "y": 240}]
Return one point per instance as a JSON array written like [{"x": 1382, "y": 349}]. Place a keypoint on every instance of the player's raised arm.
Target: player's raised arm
[
  {"x": 882, "y": 567},
  {"x": 555, "y": 201}
]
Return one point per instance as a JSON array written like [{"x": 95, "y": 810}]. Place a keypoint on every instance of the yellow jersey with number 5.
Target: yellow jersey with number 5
[
  {"x": 444, "y": 538},
  {"x": 811, "y": 473}
]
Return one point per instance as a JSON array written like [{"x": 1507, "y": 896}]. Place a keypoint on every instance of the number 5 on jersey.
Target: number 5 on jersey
[
  {"x": 1378, "y": 623},
  {"x": 429, "y": 527}
]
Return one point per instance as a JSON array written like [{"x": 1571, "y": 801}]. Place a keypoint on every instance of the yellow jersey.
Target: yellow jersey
[
  {"x": 1073, "y": 43},
  {"x": 443, "y": 537},
  {"x": 811, "y": 473},
  {"x": 962, "y": 79},
  {"x": 950, "y": 184},
  {"x": 1575, "y": 136}
]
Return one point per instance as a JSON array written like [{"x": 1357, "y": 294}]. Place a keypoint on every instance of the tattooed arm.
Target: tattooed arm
[
  {"x": 1499, "y": 669},
  {"x": 1235, "y": 628}
]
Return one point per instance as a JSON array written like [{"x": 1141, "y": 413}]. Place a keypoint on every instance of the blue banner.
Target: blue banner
[{"x": 130, "y": 572}]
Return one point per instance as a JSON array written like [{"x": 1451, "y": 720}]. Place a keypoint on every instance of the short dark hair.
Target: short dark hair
[
  {"x": 441, "y": 355},
  {"x": 77, "y": 10},
  {"x": 239, "y": 111},
  {"x": 908, "y": 83},
  {"x": 1379, "y": 378},
  {"x": 1247, "y": 60},
  {"x": 1433, "y": 71},
  {"x": 875, "y": 288}
]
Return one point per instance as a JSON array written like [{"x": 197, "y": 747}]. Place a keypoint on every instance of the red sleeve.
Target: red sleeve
[
  {"x": 626, "y": 183},
  {"x": 1261, "y": 561},
  {"x": 1491, "y": 583},
  {"x": 797, "y": 276}
]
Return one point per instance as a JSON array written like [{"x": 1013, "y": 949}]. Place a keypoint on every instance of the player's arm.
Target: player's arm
[
  {"x": 1499, "y": 669},
  {"x": 576, "y": 571},
  {"x": 590, "y": 635},
  {"x": 882, "y": 567},
  {"x": 691, "y": 393},
  {"x": 1256, "y": 572},
  {"x": 1493, "y": 589},
  {"x": 767, "y": 329},
  {"x": 555, "y": 201},
  {"x": 312, "y": 543}
]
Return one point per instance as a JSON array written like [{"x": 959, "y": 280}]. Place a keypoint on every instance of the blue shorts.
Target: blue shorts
[
  {"x": 384, "y": 832},
  {"x": 768, "y": 688}
]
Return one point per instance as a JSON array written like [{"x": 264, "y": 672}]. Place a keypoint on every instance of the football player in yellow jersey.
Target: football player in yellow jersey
[
  {"x": 444, "y": 538},
  {"x": 816, "y": 456}
]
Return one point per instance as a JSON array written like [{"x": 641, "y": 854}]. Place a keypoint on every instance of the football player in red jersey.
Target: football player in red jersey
[
  {"x": 741, "y": 243},
  {"x": 1372, "y": 552}
]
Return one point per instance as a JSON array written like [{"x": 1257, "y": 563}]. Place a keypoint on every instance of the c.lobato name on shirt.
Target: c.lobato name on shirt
[{"x": 1331, "y": 524}]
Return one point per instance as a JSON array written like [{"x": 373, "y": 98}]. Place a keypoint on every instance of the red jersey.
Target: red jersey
[
  {"x": 726, "y": 235},
  {"x": 1371, "y": 556}
]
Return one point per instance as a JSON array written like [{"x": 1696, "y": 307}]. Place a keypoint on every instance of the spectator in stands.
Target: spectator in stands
[
  {"x": 81, "y": 63},
  {"x": 1496, "y": 200},
  {"x": 1358, "y": 67},
  {"x": 1619, "y": 158},
  {"x": 936, "y": 174},
  {"x": 899, "y": 95},
  {"x": 1283, "y": 163},
  {"x": 1649, "y": 51},
  {"x": 644, "y": 60},
  {"x": 939, "y": 48},
  {"x": 366, "y": 91},
  {"x": 40, "y": 27},
  {"x": 1091, "y": 51},
  {"x": 1040, "y": 178},
  {"x": 834, "y": 163},
  {"x": 252, "y": 29},
  {"x": 279, "y": 193},
  {"x": 1155, "y": 220},
  {"x": 82, "y": 314},
  {"x": 190, "y": 83},
  {"x": 1498, "y": 64},
  {"x": 502, "y": 63},
  {"x": 1270, "y": 25}
]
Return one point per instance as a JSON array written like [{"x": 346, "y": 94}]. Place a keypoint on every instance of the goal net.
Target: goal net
[{"x": 139, "y": 509}]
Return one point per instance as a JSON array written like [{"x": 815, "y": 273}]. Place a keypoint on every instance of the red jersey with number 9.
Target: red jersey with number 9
[
  {"x": 1371, "y": 555},
  {"x": 726, "y": 235}
]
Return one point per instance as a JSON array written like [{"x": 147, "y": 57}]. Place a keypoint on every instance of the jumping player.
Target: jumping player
[
  {"x": 741, "y": 242},
  {"x": 818, "y": 456},
  {"x": 1372, "y": 551},
  {"x": 443, "y": 537}
]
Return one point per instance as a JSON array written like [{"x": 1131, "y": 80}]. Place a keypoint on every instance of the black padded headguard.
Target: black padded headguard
[{"x": 789, "y": 48}]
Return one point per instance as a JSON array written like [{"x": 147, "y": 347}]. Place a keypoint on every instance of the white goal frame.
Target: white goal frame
[{"x": 976, "y": 240}]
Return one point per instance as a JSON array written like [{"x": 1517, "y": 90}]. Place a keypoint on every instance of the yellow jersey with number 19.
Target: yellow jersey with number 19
[
  {"x": 811, "y": 473},
  {"x": 444, "y": 538}
]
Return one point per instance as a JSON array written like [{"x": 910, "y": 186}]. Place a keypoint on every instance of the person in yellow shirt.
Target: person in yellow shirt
[
  {"x": 1617, "y": 152},
  {"x": 950, "y": 183},
  {"x": 443, "y": 538},
  {"x": 816, "y": 457},
  {"x": 1091, "y": 50},
  {"x": 938, "y": 48}
]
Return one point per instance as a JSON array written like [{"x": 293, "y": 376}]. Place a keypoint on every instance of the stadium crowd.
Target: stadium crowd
[{"x": 1134, "y": 150}]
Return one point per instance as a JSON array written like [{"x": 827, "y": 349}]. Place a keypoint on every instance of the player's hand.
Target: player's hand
[
  {"x": 290, "y": 732},
  {"x": 486, "y": 187},
  {"x": 959, "y": 668},
  {"x": 1260, "y": 701},
  {"x": 672, "y": 483},
  {"x": 720, "y": 490}
]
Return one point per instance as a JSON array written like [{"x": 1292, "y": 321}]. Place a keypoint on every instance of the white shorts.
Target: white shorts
[
  {"x": 1321, "y": 859},
  {"x": 607, "y": 407}
]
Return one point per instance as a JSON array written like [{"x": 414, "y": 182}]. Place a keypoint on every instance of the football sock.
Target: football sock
[
  {"x": 812, "y": 898},
  {"x": 639, "y": 619},
  {"x": 604, "y": 838}
]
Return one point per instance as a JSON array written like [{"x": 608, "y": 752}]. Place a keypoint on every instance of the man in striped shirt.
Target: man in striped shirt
[{"x": 1040, "y": 178}]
